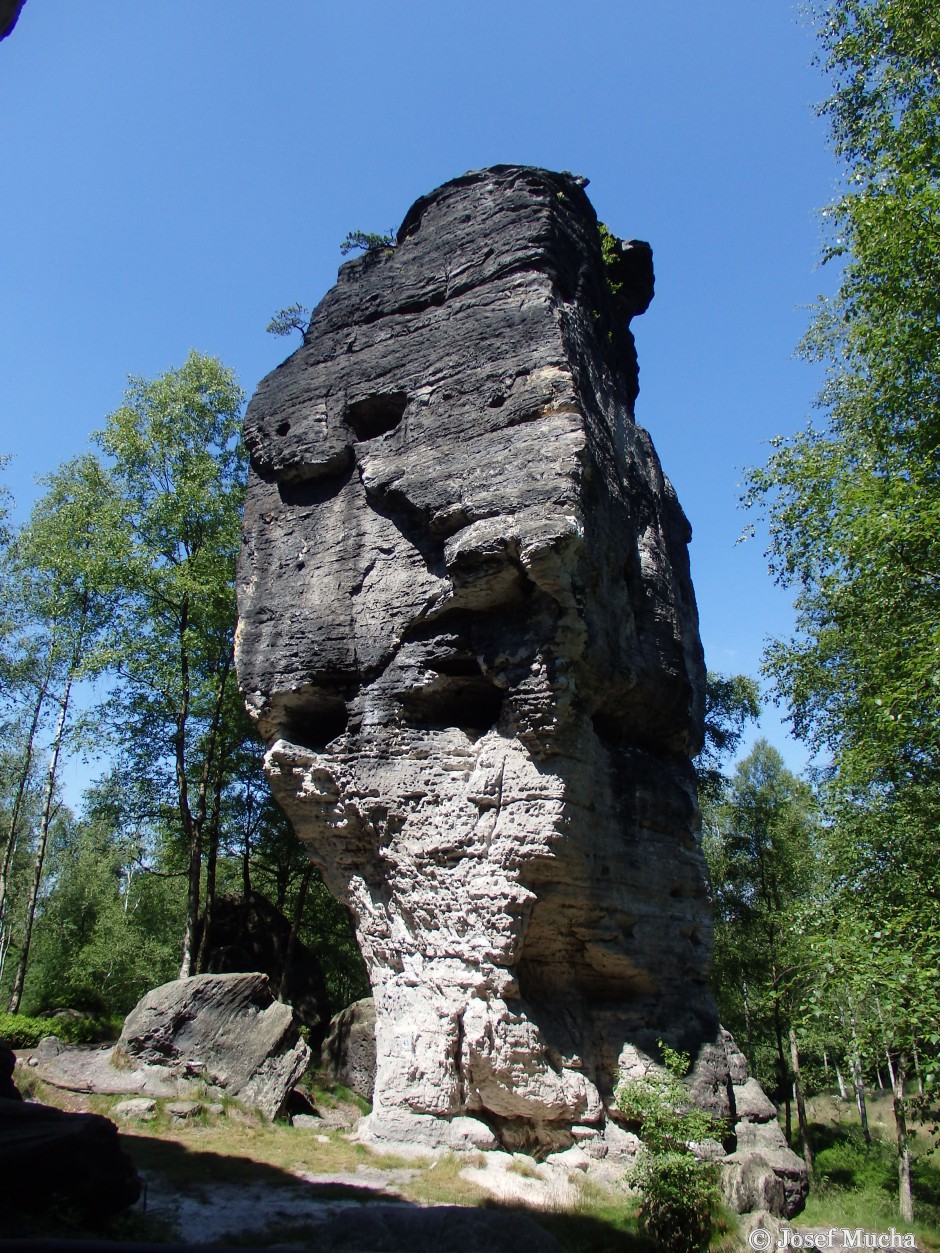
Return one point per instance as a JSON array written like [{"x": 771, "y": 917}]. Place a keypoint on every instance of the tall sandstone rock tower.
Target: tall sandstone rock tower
[{"x": 469, "y": 638}]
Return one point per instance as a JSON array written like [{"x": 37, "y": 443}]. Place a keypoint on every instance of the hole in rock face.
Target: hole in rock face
[
  {"x": 609, "y": 726},
  {"x": 375, "y": 415},
  {"x": 305, "y": 493},
  {"x": 317, "y": 722},
  {"x": 470, "y": 702},
  {"x": 282, "y": 428}
]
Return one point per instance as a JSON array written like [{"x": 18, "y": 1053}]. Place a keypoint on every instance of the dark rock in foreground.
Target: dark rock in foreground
[
  {"x": 440, "y": 1229},
  {"x": 369, "y": 1229},
  {"x": 50, "y": 1158},
  {"x": 8, "y": 1089}
]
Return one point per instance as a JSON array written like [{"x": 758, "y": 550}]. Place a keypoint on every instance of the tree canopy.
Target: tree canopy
[
  {"x": 125, "y": 575},
  {"x": 853, "y": 504}
]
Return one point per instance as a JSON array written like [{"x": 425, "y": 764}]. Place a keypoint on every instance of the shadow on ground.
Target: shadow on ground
[{"x": 195, "y": 1198}]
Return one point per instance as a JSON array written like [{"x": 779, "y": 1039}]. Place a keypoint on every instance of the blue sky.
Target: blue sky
[{"x": 172, "y": 173}]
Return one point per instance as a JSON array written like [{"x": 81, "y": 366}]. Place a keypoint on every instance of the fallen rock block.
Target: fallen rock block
[
  {"x": 138, "y": 1107},
  {"x": 750, "y": 1184},
  {"x": 182, "y": 1111},
  {"x": 225, "y": 1030},
  {"x": 307, "y": 1122},
  {"x": 348, "y": 1052},
  {"x": 570, "y": 1159}
]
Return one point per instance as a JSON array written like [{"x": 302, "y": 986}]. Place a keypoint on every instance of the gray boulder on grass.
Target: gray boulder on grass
[
  {"x": 348, "y": 1052},
  {"x": 227, "y": 1030}
]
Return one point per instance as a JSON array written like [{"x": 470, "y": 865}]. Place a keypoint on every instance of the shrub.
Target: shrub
[
  {"x": 19, "y": 1031},
  {"x": 293, "y": 318},
  {"x": 367, "y": 241},
  {"x": 681, "y": 1197},
  {"x": 610, "y": 251}
]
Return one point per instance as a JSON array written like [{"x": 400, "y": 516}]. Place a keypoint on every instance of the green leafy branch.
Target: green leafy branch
[{"x": 368, "y": 241}]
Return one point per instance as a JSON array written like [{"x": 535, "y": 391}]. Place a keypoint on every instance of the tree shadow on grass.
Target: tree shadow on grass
[{"x": 194, "y": 1169}]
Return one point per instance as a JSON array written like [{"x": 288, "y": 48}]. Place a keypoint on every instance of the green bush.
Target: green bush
[
  {"x": 681, "y": 1197},
  {"x": 681, "y": 1200},
  {"x": 848, "y": 1162},
  {"x": 19, "y": 1031}
]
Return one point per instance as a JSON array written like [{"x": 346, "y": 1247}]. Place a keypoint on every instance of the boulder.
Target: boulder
[
  {"x": 249, "y": 934},
  {"x": 49, "y": 1157},
  {"x": 347, "y": 1055},
  {"x": 138, "y": 1108},
  {"x": 182, "y": 1111},
  {"x": 751, "y": 1104},
  {"x": 765, "y": 1143},
  {"x": 751, "y": 1185},
  {"x": 226, "y": 1030}
]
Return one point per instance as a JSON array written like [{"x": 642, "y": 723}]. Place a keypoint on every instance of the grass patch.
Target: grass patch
[
  {"x": 439, "y": 1181},
  {"x": 857, "y": 1184},
  {"x": 20, "y": 1031},
  {"x": 325, "y": 1094},
  {"x": 233, "y": 1152}
]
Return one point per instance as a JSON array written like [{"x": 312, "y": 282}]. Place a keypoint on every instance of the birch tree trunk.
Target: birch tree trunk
[
  {"x": 45, "y": 824},
  {"x": 905, "y": 1198},
  {"x": 801, "y": 1107},
  {"x": 9, "y": 843},
  {"x": 858, "y": 1080},
  {"x": 843, "y": 1092}
]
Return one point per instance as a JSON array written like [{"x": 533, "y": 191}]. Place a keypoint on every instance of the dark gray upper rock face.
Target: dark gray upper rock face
[
  {"x": 248, "y": 933},
  {"x": 469, "y": 638},
  {"x": 9, "y": 13}
]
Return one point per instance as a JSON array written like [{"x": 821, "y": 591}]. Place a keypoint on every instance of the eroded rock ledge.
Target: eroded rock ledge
[{"x": 469, "y": 638}]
